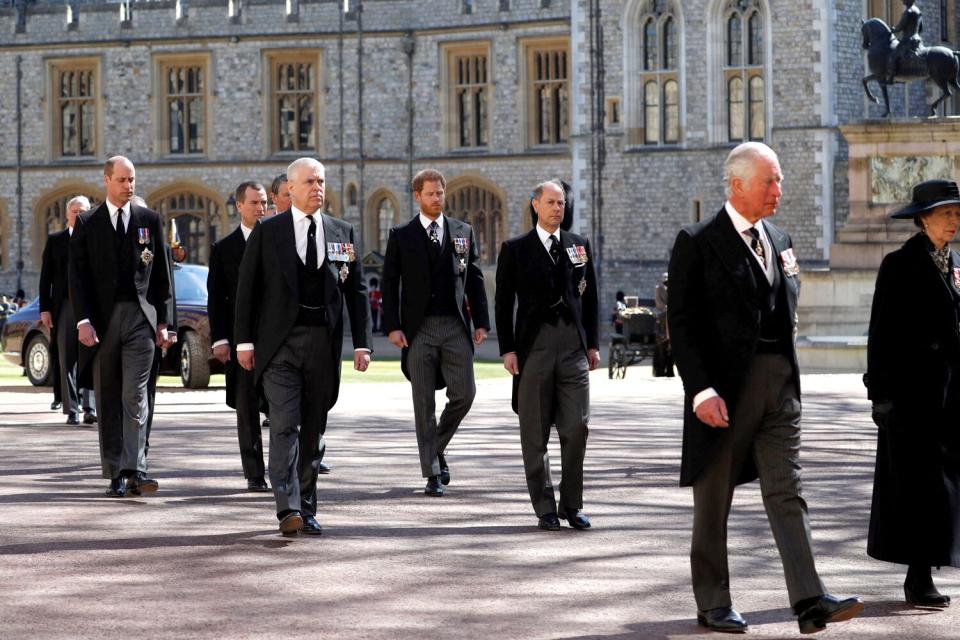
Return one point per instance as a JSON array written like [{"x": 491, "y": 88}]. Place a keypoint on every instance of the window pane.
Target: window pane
[
  {"x": 68, "y": 132},
  {"x": 306, "y": 122},
  {"x": 86, "y": 128},
  {"x": 650, "y": 45},
  {"x": 195, "y": 131},
  {"x": 480, "y": 108},
  {"x": 671, "y": 112},
  {"x": 288, "y": 124},
  {"x": 735, "y": 113},
  {"x": 756, "y": 109},
  {"x": 651, "y": 110},
  {"x": 755, "y": 29},
  {"x": 385, "y": 217},
  {"x": 734, "y": 41},
  {"x": 669, "y": 44}
]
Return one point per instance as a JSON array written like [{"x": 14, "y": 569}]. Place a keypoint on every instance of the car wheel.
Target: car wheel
[
  {"x": 194, "y": 363},
  {"x": 37, "y": 363}
]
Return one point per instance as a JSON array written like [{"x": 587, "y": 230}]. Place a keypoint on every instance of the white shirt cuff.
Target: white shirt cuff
[
  {"x": 219, "y": 342},
  {"x": 704, "y": 395},
  {"x": 84, "y": 321},
  {"x": 364, "y": 349},
  {"x": 245, "y": 346}
]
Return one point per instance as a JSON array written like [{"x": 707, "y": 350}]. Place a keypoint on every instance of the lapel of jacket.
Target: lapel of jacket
[
  {"x": 411, "y": 235},
  {"x": 104, "y": 233},
  {"x": 726, "y": 242},
  {"x": 286, "y": 246},
  {"x": 537, "y": 257},
  {"x": 454, "y": 229},
  {"x": 780, "y": 243}
]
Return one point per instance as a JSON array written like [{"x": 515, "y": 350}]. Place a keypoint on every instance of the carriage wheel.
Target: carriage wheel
[{"x": 618, "y": 361}]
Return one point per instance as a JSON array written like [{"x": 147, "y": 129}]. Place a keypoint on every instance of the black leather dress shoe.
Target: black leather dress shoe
[
  {"x": 444, "y": 470},
  {"x": 323, "y": 468},
  {"x": 73, "y": 419},
  {"x": 139, "y": 483},
  {"x": 723, "y": 619},
  {"x": 924, "y": 594},
  {"x": 311, "y": 527},
  {"x": 813, "y": 614},
  {"x": 56, "y": 405},
  {"x": 578, "y": 521},
  {"x": 434, "y": 488},
  {"x": 89, "y": 417},
  {"x": 117, "y": 489},
  {"x": 549, "y": 522},
  {"x": 291, "y": 523},
  {"x": 257, "y": 484}
]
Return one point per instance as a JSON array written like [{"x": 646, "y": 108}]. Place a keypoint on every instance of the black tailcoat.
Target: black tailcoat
[
  {"x": 93, "y": 270},
  {"x": 225, "y": 258},
  {"x": 523, "y": 270},
  {"x": 913, "y": 361},
  {"x": 714, "y": 324},
  {"x": 406, "y": 281},
  {"x": 268, "y": 292},
  {"x": 54, "y": 284}
]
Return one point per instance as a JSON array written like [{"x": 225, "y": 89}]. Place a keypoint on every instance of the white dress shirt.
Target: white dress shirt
[
  {"x": 742, "y": 225},
  {"x": 544, "y": 236},
  {"x": 426, "y": 222},
  {"x": 301, "y": 225},
  {"x": 112, "y": 209}
]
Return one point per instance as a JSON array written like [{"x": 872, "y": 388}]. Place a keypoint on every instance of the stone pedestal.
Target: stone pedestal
[{"x": 886, "y": 159}]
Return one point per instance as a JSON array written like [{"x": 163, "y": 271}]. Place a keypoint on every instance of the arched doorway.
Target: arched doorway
[
  {"x": 198, "y": 219},
  {"x": 383, "y": 212},
  {"x": 483, "y": 209}
]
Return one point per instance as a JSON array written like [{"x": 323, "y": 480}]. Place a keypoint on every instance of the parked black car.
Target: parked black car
[{"x": 26, "y": 342}]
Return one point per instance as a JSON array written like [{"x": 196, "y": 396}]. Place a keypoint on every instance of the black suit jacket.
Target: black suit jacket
[
  {"x": 268, "y": 292},
  {"x": 53, "y": 273},
  {"x": 714, "y": 325},
  {"x": 406, "y": 281},
  {"x": 523, "y": 269},
  {"x": 94, "y": 269},
  {"x": 225, "y": 258}
]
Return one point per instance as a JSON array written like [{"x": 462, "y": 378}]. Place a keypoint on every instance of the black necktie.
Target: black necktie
[
  {"x": 433, "y": 228},
  {"x": 757, "y": 246},
  {"x": 554, "y": 249},
  {"x": 121, "y": 232},
  {"x": 312, "y": 244}
]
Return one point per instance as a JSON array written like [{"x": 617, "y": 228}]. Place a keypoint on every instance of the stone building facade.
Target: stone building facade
[{"x": 497, "y": 94}]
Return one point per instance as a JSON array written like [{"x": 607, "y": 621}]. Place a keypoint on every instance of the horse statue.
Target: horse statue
[{"x": 939, "y": 64}]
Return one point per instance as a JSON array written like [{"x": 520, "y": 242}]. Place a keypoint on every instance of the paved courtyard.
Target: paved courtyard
[{"x": 202, "y": 558}]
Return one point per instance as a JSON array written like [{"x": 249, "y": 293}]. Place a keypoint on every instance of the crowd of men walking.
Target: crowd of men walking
[{"x": 281, "y": 288}]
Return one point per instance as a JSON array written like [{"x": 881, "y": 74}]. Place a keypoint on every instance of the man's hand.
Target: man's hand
[
  {"x": 246, "y": 359},
  {"x": 881, "y": 414},
  {"x": 222, "y": 353},
  {"x": 713, "y": 411},
  {"x": 361, "y": 360},
  {"x": 398, "y": 338},
  {"x": 47, "y": 319},
  {"x": 593, "y": 358},
  {"x": 163, "y": 336},
  {"x": 87, "y": 335},
  {"x": 479, "y": 336},
  {"x": 510, "y": 363}
]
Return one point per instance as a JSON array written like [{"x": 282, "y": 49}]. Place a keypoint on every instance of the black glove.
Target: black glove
[{"x": 881, "y": 414}]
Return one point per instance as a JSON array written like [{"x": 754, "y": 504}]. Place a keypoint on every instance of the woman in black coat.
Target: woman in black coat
[{"x": 913, "y": 378}]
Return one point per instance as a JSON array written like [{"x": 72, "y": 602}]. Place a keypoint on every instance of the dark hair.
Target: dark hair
[
  {"x": 374, "y": 282},
  {"x": 918, "y": 219},
  {"x": 428, "y": 175},
  {"x": 240, "y": 195},
  {"x": 275, "y": 185},
  {"x": 619, "y": 296}
]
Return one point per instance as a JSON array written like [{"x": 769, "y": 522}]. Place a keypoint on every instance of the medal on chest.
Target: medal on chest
[
  {"x": 344, "y": 253},
  {"x": 956, "y": 277},
  {"x": 789, "y": 262},
  {"x": 146, "y": 256},
  {"x": 577, "y": 254},
  {"x": 462, "y": 248}
]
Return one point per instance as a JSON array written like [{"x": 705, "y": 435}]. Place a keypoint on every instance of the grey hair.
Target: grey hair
[
  {"x": 140, "y": 202},
  {"x": 538, "y": 190},
  {"x": 741, "y": 163},
  {"x": 81, "y": 200},
  {"x": 304, "y": 162}
]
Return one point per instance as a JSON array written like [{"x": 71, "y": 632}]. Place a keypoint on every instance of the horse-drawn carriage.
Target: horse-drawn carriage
[{"x": 643, "y": 329}]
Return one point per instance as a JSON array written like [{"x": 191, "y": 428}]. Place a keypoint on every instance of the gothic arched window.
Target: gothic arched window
[
  {"x": 653, "y": 66},
  {"x": 483, "y": 210},
  {"x": 743, "y": 70}
]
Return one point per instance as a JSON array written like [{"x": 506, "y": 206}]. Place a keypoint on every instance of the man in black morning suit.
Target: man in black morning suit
[
  {"x": 299, "y": 271},
  {"x": 242, "y": 393},
  {"x": 548, "y": 276},
  {"x": 734, "y": 284},
  {"x": 430, "y": 276},
  {"x": 56, "y": 313},
  {"x": 120, "y": 288}
]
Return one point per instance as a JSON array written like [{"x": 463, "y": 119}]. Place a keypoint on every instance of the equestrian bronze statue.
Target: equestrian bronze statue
[{"x": 892, "y": 61}]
